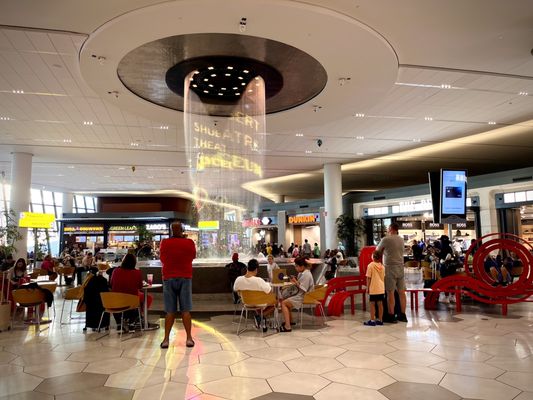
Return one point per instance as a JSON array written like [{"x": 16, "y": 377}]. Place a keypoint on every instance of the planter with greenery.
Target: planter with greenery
[
  {"x": 9, "y": 234},
  {"x": 350, "y": 231}
]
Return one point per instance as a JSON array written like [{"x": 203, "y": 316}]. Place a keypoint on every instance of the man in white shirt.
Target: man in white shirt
[{"x": 250, "y": 281}]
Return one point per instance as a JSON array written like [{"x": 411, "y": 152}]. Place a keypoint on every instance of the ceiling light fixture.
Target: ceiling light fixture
[
  {"x": 523, "y": 93},
  {"x": 428, "y": 118},
  {"x": 5, "y": 119},
  {"x": 18, "y": 91},
  {"x": 87, "y": 122},
  {"x": 134, "y": 144},
  {"x": 299, "y": 135},
  {"x": 67, "y": 141},
  {"x": 164, "y": 127},
  {"x": 308, "y": 152},
  {"x": 492, "y": 122},
  {"x": 445, "y": 86},
  {"x": 360, "y": 137},
  {"x": 416, "y": 140},
  {"x": 360, "y": 154},
  {"x": 359, "y": 115}
]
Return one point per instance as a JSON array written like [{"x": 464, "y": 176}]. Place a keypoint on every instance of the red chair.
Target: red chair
[{"x": 343, "y": 288}]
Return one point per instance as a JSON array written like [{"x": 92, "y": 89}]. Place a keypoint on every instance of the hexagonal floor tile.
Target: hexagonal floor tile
[
  {"x": 339, "y": 391},
  {"x": 331, "y": 340},
  {"x": 39, "y": 359},
  {"x": 90, "y": 356},
  {"x": 520, "y": 380},
  {"x": 244, "y": 344},
  {"x": 200, "y": 373},
  {"x": 171, "y": 360},
  {"x": 480, "y": 370},
  {"x": 28, "y": 396},
  {"x": 288, "y": 341},
  {"x": 357, "y": 359},
  {"x": 417, "y": 391},
  {"x": 98, "y": 393},
  {"x": 222, "y": 357},
  {"x": 8, "y": 369},
  {"x": 236, "y": 388},
  {"x": 71, "y": 383},
  {"x": 298, "y": 383},
  {"x": 417, "y": 358},
  {"x": 368, "y": 347},
  {"x": 17, "y": 383},
  {"x": 111, "y": 366},
  {"x": 414, "y": 373},
  {"x": 6, "y": 357},
  {"x": 56, "y": 369},
  {"x": 402, "y": 344},
  {"x": 138, "y": 377},
  {"x": 322, "y": 350},
  {"x": 370, "y": 379},
  {"x": 276, "y": 354},
  {"x": 313, "y": 365},
  {"x": 512, "y": 364},
  {"x": 258, "y": 368},
  {"x": 283, "y": 396},
  {"x": 458, "y": 353},
  {"x": 167, "y": 391},
  {"x": 478, "y": 388}
]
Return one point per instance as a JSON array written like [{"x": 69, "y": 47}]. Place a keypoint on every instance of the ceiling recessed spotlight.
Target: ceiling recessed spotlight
[
  {"x": 164, "y": 127},
  {"x": 359, "y": 115},
  {"x": 229, "y": 67},
  {"x": 213, "y": 75},
  {"x": 222, "y": 88},
  {"x": 492, "y": 122},
  {"x": 308, "y": 152},
  {"x": 195, "y": 85},
  {"x": 360, "y": 137},
  {"x": 134, "y": 144},
  {"x": 191, "y": 78},
  {"x": 299, "y": 135},
  {"x": 67, "y": 141},
  {"x": 87, "y": 122},
  {"x": 245, "y": 71},
  {"x": 240, "y": 77},
  {"x": 360, "y": 154},
  {"x": 523, "y": 93},
  {"x": 428, "y": 118},
  {"x": 416, "y": 140},
  {"x": 221, "y": 94},
  {"x": 227, "y": 74},
  {"x": 206, "y": 91},
  {"x": 18, "y": 91},
  {"x": 237, "y": 94},
  {"x": 445, "y": 86},
  {"x": 5, "y": 118},
  {"x": 210, "y": 85},
  {"x": 121, "y": 168},
  {"x": 235, "y": 88},
  {"x": 206, "y": 79},
  {"x": 210, "y": 68},
  {"x": 243, "y": 84}
]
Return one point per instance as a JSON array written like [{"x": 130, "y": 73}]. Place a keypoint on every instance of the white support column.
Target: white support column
[
  {"x": 323, "y": 245},
  {"x": 20, "y": 195},
  {"x": 279, "y": 198},
  {"x": 282, "y": 229},
  {"x": 68, "y": 202},
  {"x": 487, "y": 210},
  {"x": 332, "y": 202}
]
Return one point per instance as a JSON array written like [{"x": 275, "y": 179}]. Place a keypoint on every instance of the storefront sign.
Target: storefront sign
[
  {"x": 468, "y": 225},
  {"x": 157, "y": 227},
  {"x": 84, "y": 230},
  {"x": 410, "y": 224},
  {"x": 255, "y": 222},
  {"x": 208, "y": 225},
  {"x": 36, "y": 220},
  {"x": 434, "y": 225},
  {"x": 122, "y": 228},
  {"x": 304, "y": 219}
]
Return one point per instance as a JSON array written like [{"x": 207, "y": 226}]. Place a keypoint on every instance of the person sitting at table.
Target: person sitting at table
[
  {"x": 17, "y": 273},
  {"x": 271, "y": 266},
  {"x": 127, "y": 279},
  {"x": 250, "y": 281},
  {"x": 304, "y": 283},
  {"x": 86, "y": 263},
  {"x": 235, "y": 269},
  {"x": 48, "y": 266}
]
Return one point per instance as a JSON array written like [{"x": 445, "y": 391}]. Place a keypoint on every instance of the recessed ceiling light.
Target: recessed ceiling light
[
  {"x": 194, "y": 85},
  {"x": 492, "y": 122},
  {"x": 210, "y": 68},
  {"x": 196, "y": 72},
  {"x": 299, "y": 135},
  {"x": 121, "y": 168},
  {"x": 67, "y": 141},
  {"x": 210, "y": 85},
  {"x": 71, "y": 167},
  {"x": 446, "y": 86},
  {"x": 164, "y": 127},
  {"x": 191, "y": 78},
  {"x": 360, "y": 137},
  {"x": 221, "y": 94},
  {"x": 235, "y": 88},
  {"x": 227, "y": 74},
  {"x": 523, "y": 93},
  {"x": 87, "y": 122},
  {"x": 359, "y": 115},
  {"x": 134, "y": 144},
  {"x": 18, "y": 91},
  {"x": 416, "y": 140},
  {"x": 206, "y": 79},
  {"x": 237, "y": 94},
  {"x": 245, "y": 71},
  {"x": 308, "y": 152},
  {"x": 222, "y": 88},
  {"x": 213, "y": 75},
  {"x": 206, "y": 91},
  {"x": 230, "y": 67},
  {"x": 360, "y": 154},
  {"x": 5, "y": 118},
  {"x": 428, "y": 118},
  {"x": 240, "y": 77}
]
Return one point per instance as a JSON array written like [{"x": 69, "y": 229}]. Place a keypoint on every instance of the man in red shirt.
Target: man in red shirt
[{"x": 177, "y": 253}]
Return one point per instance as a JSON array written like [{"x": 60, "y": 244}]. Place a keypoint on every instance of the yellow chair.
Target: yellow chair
[
  {"x": 65, "y": 272},
  {"x": 38, "y": 272},
  {"x": 71, "y": 295},
  {"x": 255, "y": 300},
  {"x": 115, "y": 302},
  {"x": 27, "y": 299},
  {"x": 314, "y": 299},
  {"x": 412, "y": 264},
  {"x": 102, "y": 267}
]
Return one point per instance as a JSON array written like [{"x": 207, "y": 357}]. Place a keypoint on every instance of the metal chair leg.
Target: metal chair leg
[
  {"x": 140, "y": 320},
  {"x": 100, "y": 323},
  {"x": 61, "y": 317},
  {"x": 38, "y": 313}
]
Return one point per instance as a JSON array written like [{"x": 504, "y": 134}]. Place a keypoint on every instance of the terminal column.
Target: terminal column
[
  {"x": 282, "y": 229},
  {"x": 488, "y": 214},
  {"x": 332, "y": 202},
  {"x": 279, "y": 198},
  {"x": 68, "y": 202},
  {"x": 20, "y": 196}
]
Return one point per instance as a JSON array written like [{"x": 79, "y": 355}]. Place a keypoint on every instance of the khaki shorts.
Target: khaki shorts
[{"x": 393, "y": 283}]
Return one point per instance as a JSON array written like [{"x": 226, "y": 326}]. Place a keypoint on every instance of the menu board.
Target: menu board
[{"x": 453, "y": 195}]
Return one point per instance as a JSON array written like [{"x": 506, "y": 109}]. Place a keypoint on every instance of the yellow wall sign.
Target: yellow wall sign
[
  {"x": 36, "y": 220},
  {"x": 208, "y": 225}
]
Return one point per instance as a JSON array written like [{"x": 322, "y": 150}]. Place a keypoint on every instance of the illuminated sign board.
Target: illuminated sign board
[
  {"x": 122, "y": 228},
  {"x": 82, "y": 229},
  {"x": 304, "y": 218},
  {"x": 157, "y": 227},
  {"x": 434, "y": 225},
  {"x": 208, "y": 225},
  {"x": 410, "y": 224},
  {"x": 452, "y": 195},
  {"x": 36, "y": 220},
  {"x": 255, "y": 222}
]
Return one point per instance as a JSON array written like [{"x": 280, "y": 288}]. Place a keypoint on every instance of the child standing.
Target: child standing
[{"x": 375, "y": 286}]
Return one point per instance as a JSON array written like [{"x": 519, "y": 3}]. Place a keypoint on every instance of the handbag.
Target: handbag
[{"x": 289, "y": 291}]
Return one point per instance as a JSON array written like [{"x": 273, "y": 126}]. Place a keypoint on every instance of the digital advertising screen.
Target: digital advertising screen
[{"x": 453, "y": 194}]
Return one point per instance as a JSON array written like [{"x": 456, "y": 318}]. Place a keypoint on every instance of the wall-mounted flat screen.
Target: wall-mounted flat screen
[{"x": 452, "y": 195}]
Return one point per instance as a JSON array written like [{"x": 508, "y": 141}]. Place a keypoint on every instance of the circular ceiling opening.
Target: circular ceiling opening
[{"x": 156, "y": 71}]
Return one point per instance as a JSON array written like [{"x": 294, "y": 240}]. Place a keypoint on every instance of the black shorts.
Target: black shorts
[{"x": 377, "y": 297}]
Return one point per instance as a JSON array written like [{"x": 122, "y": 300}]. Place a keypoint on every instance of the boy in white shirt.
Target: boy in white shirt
[
  {"x": 250, "y": 281},
  {"x": 375, "y": 287}
]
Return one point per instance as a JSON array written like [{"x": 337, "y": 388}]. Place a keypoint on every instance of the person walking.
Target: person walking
[
  {"x": 177, "y": 253},
  {"x": 306, "y": 249},
  {"x": 391, "y": 247}
]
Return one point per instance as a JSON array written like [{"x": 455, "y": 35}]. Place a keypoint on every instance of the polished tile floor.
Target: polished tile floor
[{"x": 477, "y": 354}]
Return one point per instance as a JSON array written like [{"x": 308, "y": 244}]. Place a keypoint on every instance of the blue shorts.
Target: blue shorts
[{"x": 177, "y": 289}]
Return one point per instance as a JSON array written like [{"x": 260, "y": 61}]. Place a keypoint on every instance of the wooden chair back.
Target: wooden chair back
[
  {"x": 28, "y": 297},
  {"x": 257, "y": 298},
  {"x": 103, "y": 266},
  {"x": 73, "y": 293},
  {"x": 49, "y": 286},
  {"x": 117, "y": 302},
  {"x": 316, "y": 295},
  {"x": 411, "y": 264}
]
